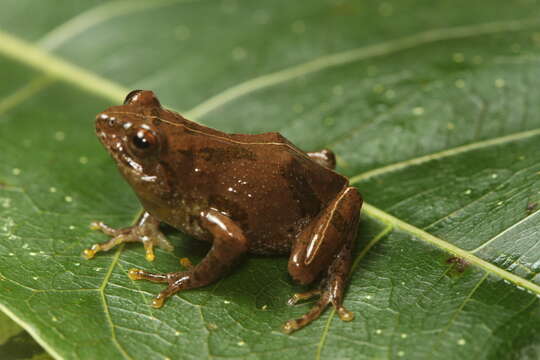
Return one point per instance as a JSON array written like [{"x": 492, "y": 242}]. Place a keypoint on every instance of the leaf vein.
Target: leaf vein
[
  {"x": 374, "y": 212},
  {"x": 442, "y": 154},
  {"x": 353, "y": 55}
]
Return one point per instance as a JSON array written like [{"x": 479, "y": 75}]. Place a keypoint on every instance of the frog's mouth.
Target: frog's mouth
[
  {"x": 109, "y": 131},
  {"x": 116, "y": 147},
  {"x": 127, "y": 165}
]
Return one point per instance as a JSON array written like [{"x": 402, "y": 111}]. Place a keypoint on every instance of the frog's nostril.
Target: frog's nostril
[
  {"x": 110, "y": 120},
  {"x": 102, "y": 116}
]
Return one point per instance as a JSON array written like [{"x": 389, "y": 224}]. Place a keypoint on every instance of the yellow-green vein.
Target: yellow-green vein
[
  {"x": 35, "y": 57},
  {"x": 443, "y": 154},
  {"x": 376, "y": 213},
  {"x": 358, "y": 54},
  {"x": 24, "y": 92},
  {"x": 57, "y": 68},
  {"x": 106, "y": 305},
  {"x": 460, "y": 308},
  {"x": 96, "y": 15}
]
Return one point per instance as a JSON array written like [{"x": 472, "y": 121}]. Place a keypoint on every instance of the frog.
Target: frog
[{"x": 242, "y": 193}]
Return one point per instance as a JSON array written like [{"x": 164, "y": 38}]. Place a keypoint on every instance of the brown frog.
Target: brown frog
[{"x": 243, "y": 193}]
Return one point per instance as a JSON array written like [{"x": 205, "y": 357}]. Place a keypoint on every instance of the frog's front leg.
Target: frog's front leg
[
  {"x": 323, "y": 249},
  {"x": 229, "y": 244},
  {"x": 146, "y": 230}
]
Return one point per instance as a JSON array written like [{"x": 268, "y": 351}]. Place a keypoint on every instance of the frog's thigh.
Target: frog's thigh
[{"x": 317, "y": 245}]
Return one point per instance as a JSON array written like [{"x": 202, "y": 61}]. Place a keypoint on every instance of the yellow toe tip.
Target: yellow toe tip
[
  {"x": 289, "y": 326},
  {"x": 94, "y": 225},
  {"x": 157, "y": 302},
  {"x": 88, "y": 254},
  {"x": 134, "y": 274},
  {"x": 345, "y": 315},
  {"x": 185, "y": 262},
  {"x": 150, "y": 257}
]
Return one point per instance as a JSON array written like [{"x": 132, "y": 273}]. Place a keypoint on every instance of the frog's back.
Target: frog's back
[{"x": 266, "y": 184}]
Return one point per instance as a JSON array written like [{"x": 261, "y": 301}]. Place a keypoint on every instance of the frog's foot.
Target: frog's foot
[
  {"x": 146, "y": 231},
  {"x": 316, "y": 310},
  {"x": 177, "y": 281}
]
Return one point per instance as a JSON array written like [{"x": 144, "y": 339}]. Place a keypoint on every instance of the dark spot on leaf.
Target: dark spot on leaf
[{"x": 460, "y": 264}]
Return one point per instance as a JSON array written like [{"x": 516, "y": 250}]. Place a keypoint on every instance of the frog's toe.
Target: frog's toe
[
  {"x": 157, "y": 302},
  {"x": 138, "y": 274},
  {"x": 149, "y": 249},
  {"x": 303, "y": 296},
  {"x": 100, "y": 226},
  {"x": 290, "y": 326},
  {"x": 161, "y": 241},
  {"x": 312, "y": 314},
  {"x": 186, "y": 263},
  {"x": 147, "y": 233},
  {"x": 344, "y": 314},
  {"x": 105, "y": 246},
  {"x": 91, "y": 252}
]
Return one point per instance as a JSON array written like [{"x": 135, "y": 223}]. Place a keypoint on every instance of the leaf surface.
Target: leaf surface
[{"x": 432, "y": 111}]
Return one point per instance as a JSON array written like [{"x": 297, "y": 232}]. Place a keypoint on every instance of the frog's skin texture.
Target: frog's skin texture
[{"x": 243, "y": 193}]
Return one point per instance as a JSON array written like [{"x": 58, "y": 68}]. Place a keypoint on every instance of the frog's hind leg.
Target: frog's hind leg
[
  {"x": 323, "y": 250},
  {"x": 146, "y": 230},
  {"x": 324, "y": 157}
]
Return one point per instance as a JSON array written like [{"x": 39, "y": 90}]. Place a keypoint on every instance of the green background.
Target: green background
[{"x": 431, "y": 107}]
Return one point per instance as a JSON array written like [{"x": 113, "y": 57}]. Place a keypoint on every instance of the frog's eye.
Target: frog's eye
[
  {"x": 142, "y": 98},
  {"x": 132, "y": 96},
  {"x": 143, "y": 140}
]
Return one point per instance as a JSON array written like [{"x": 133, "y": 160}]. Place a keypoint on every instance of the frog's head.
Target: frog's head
[{"x": 131, "y": 135}]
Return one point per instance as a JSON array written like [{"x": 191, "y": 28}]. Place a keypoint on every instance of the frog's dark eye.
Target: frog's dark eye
[
  {"x": 144, "y": 139},
  {"x": 131, "y": 96},
  {"x": 142, "y": 98}
]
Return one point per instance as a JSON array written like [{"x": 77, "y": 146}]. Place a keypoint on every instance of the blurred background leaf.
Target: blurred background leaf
[{"x": 431, "y": 107}]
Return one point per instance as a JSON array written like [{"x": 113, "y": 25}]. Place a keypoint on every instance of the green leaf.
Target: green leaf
[{"x": 432, "y": 111}]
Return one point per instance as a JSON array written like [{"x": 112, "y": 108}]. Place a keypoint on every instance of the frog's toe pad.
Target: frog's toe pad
[
  {"x": 136, "y": 274},
  {"x": 158, "y": 301},
  {"x": 344, "y": 314},
  {"x": 91, "y": 252},
  {"x": 290, "y": 326}
]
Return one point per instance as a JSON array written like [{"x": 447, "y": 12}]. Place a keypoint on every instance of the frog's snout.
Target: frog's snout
[
  {"x": 107, "y": 124},
  {"x": 104, "y": 119}
]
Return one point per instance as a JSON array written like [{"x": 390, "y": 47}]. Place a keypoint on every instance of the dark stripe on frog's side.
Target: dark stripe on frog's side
[
  {"x": 228, "y": 154},
  {"x": 304, "y": 195},
  {"x": 339, "y": 222}
]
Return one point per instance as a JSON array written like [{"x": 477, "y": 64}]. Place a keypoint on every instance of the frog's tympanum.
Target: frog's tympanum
[{"x": 256, "y": 194}]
